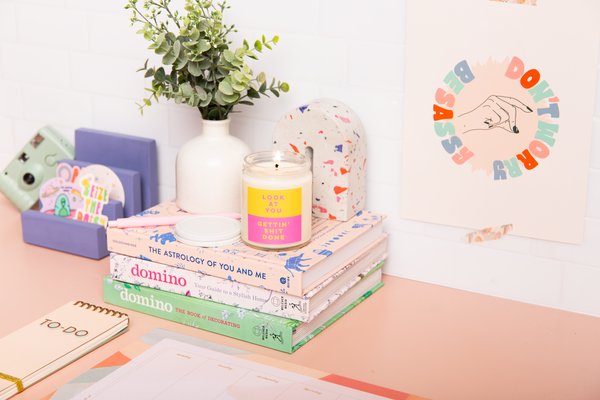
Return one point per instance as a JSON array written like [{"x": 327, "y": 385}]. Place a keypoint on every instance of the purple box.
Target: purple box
[
  {"x": 64, "y": 234},
  {"x": 121, "y": 151}
]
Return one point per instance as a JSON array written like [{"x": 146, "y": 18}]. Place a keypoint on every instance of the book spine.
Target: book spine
[
  {"x": 249, "y": 326},
  {"x": 336, "y": 317},
  {"x": 182, "y": 281}
]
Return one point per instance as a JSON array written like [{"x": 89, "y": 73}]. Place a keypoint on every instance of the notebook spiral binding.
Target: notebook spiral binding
[{"x": 100, "y": 309}]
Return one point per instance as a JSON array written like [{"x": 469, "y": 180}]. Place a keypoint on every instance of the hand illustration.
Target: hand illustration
[{"x": 494, "y": 112}]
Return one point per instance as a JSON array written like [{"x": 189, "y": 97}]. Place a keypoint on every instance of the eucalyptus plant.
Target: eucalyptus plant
[{"x": 201, "y": 70}]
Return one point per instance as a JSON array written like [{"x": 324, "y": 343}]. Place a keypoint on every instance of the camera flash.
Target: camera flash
[{"x": 35, "y": 142}]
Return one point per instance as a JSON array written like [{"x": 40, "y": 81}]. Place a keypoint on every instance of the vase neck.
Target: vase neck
[{"x": 215, "y": 128}]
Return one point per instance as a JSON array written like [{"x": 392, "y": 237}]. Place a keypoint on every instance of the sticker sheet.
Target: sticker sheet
[{"x": 499, "y": 101}]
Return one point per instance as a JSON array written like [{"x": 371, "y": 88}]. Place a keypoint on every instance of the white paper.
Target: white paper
[
  {"x": 176, "y": 370},
  {"x": 556, "y": 39}
]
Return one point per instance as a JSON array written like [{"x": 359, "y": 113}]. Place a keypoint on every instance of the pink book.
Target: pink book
[{"x": 333, "y": 245}]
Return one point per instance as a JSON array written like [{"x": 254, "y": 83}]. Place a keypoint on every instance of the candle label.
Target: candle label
[{"x": 274, "y": 216}]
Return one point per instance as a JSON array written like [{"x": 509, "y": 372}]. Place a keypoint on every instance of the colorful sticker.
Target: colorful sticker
[
  {"x": 274, "y": 216},
  {"x": 94, "y": 199},
  {"x": 59, "y": 197}
]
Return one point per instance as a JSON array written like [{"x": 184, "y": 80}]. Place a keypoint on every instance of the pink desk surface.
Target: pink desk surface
[{"x": 427, "y": 340}]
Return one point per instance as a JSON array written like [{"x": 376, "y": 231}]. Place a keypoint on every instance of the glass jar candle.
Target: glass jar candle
[{"x": 276, "y": 200}]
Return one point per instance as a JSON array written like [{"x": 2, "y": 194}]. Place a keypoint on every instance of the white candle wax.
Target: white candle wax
[{"x": 276, "y": 202}]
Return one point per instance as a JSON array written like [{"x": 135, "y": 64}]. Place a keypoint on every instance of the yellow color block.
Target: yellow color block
[{"x": 274, "y": 203}]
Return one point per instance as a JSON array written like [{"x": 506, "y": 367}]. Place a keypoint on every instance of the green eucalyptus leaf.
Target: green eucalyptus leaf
[
  {"x": 231, "y": 98},
  {"x": 238, "y": 87},
  {"x": 225, "y": 88},
  {"x": 144, "y": 67},
  {"x": 195, "y": 34},
  {"x": 205, "y": 64},
  {"x": 194, "y": 68},
  {"x": 148, "y": 35},
  {"x": 163, "y": 49},
  {"x": 201, "y": 93},
  {"x": 258, "y": 45},
  {"x": 238, "y": 76},
  {"x": 264, "y": 39},
  {"x": 171, "y": 38},
  {"x": 275, "y": 92},
  {"x": 223, "y": 71},
  {"x": 246, "y": 103},
  {"x": 178, "y": 98},
  {"x": 275, "y": 39},
  {"x": 147, "y": 102},
  {"x": 284, "y": 87},
  {"x": 153, "y": 46},
  {"x": 169, "y": 58},
  {"x": 149, "y": 73},
  {"x": 253, "y": 94},
  {"x": 181, "y": 61},
  {"x": 159, "y": 75},
  {"x": 268, "y": 46},
  {"x": 262, "y": 77},
  {"x": 184, "y": 32},
  {"x": 206, "y": 101},
  {"x": 176, "y": 48},
  {"x": 228, "y": 55},
  {"x": 263, "y": 87},
  {"x": 219, "y": 98},
  {"x": 160, "y": 39},
  {"x": 186, "y": 89},
  {"x": 202, "y": 46}
]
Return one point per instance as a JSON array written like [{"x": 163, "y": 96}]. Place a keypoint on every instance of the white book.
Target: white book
[{"x": 141, "y": 272}]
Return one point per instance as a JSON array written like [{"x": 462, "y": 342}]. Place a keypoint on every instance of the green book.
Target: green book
[{"x": 266, "y": 330}]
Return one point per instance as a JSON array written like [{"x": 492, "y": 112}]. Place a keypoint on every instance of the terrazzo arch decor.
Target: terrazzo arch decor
[{"x": 339, "y": 154}]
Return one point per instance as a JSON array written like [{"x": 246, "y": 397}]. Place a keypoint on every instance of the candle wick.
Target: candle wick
[{"x": 276, "y": 165}]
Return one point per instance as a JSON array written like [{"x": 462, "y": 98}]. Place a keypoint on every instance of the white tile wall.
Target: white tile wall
[{"x": 71, "y": 63}]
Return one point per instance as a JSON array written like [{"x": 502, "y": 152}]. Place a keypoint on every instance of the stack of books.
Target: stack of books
[{"x": 276, "y": 299}]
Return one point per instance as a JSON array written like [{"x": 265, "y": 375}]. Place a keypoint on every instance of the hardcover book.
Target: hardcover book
[
  {"x": 266, "y": 330},
  {"x": 53, "y": 341},
  {"x": 333, "y": 245},
  {"x": 195, "y": 284}
]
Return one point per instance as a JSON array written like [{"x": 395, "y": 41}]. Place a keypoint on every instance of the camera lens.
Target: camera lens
[{"x": 28, "y": 178}]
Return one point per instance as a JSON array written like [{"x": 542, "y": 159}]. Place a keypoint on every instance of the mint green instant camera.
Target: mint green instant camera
[{"x": 34, "y": 165}]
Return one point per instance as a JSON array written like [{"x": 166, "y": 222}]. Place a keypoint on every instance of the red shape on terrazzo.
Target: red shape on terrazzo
[{"x": 339, "y": 189}]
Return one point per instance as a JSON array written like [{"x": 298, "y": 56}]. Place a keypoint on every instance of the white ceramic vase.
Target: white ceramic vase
[{"x": 209, "y": 170}]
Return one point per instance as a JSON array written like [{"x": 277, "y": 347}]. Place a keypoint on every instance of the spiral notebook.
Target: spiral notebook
[{"x": 53, "y": 341}]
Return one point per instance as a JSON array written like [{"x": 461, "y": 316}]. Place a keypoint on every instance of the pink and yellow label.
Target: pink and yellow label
[{"x": 274, "y": 216}]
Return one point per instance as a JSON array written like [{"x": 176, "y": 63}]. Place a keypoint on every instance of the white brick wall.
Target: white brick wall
[{"x": 71, "y": 64}]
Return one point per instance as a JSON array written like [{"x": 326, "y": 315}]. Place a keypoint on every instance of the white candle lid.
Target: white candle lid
[{"x": 208, "y": 230}]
